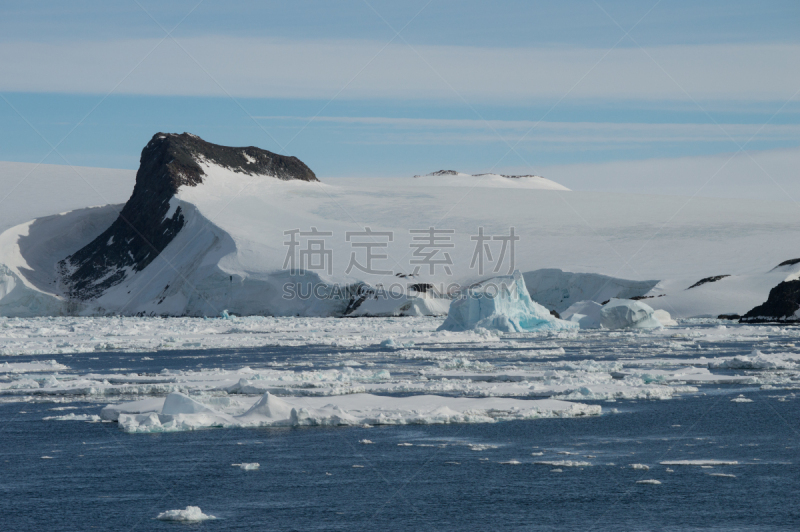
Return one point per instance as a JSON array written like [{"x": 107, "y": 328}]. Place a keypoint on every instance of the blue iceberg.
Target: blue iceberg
[{"x": 500, "y": 304}]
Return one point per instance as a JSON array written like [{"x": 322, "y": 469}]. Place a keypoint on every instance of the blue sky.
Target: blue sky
[{"x": 376, "y": 88}]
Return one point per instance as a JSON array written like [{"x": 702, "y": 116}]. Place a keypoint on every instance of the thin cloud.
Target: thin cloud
[
  {"x": 261, "y": 68},
  {"x": 426, "y": 130}
]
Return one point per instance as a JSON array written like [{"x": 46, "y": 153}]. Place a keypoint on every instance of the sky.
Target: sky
[{"x": 598, "y": 95}]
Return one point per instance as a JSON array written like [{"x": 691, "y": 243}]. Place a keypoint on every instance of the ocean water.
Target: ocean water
[{"x": 86, "y": 476}]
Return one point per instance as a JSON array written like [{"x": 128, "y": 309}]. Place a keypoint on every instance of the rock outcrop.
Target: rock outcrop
[
  {"x": 149, "y": 221},
  {"x": 782, "y": 305}
]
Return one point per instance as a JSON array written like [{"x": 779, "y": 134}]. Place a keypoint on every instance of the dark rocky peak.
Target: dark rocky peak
[
  {"x": 147, "y": 222},
  {"x": 177, "y": 158},
  {"x": 439, "y": 173}
]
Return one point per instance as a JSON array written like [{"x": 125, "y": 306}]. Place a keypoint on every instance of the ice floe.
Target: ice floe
[
  {"x": 192, "y": 514},
  {"x": 178, "y": 412}
]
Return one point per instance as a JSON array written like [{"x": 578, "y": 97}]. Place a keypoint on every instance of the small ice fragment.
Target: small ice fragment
[
  {"x": 358, "y": 466},
  {"x": 700, "y": 462},
  {"x": 564, "y": 463},
  {"x": 670, "y": 470},
  {"x": 365, "y": 442},
  {"x": 405, "y": 444},
  {"x": 511, "y": 462},
  {"x": 47, "y": 457},
  {"x": 640, "y": 466},
  {"x": 741, "y": 399},
  {"x": 192, "y": 514},
  {"x": 248, "y": 467},
  {"x": 537, "y": 454},
  {"x": 649, "y": 481},
  {"x": 721, "y": 475},
  {"x": 454, "y": 463},
  {"x": 556, "y": 470},
  {"x": 93, "y": 418},
  {"x": 706, "y": 467}
]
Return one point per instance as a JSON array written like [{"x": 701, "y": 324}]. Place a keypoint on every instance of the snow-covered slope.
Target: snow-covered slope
[
  {"x": 230, "y": 250},
  {"x": 452, "y": 178}
]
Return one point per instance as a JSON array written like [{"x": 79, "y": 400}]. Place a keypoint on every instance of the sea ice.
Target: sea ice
[
  {"x": 501, "y": 304},
  {"x": 649, "y": 481},
  {"x": 564, "y": 463},
  {"x": 758, "y": 360},
  {"x": 699, "y": 462},
  {"x": 75, "y": 417},
  {"x": 350, "y": 409},
  {"x": 247, "y": 466},
  {"x": 192, "y": 514}
]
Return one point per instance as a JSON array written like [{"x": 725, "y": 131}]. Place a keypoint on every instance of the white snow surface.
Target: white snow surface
[{"x": 230, "y": 254}]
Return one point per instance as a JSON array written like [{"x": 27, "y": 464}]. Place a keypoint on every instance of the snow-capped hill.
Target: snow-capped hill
[
  {"x": 452, "y": 178},
  {"x": 443, "y": 172},
  {"x": 152, "y": 218}
]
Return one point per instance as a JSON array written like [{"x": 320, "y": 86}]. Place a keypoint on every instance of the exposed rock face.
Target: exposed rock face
[
  {"x": 147, "y": 222},
  {"x": 781, "y": 305},
  {"x": 456, "y": 173},
  {"x": 705, "y": 280},
  {"x": 440, "y": 172}
]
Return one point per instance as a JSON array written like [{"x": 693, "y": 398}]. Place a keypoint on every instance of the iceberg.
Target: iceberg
[
  {"x": 501, "y": 304},
  {"x": 628, "y": 314},
  {"x": 585, "y": 313}
]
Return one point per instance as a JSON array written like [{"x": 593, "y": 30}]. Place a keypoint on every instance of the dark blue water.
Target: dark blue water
[{"x": 100, "y": 478}]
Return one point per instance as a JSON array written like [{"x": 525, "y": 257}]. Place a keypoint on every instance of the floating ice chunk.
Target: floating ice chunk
[
  {"x": 584, "y": 313},
  {"x": 649, "y": 481},
  {"x": 501, "y": 304},
  {"x": 247, "y": 466},
  {"x": 564, "y": 463},
  {"x": 699, "y": 462},
  {"x": 741, "y": 399},
  {"x": 511, "y": 462},
  {"x": 366, "y": 442},
  {"x": 628, "y": 314},
  {"x": 728, "y": 475},
  {"x": 640, "y": 466},
  {"x": 74, "y": 417},
  {"x": 192, "y": 514}
]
